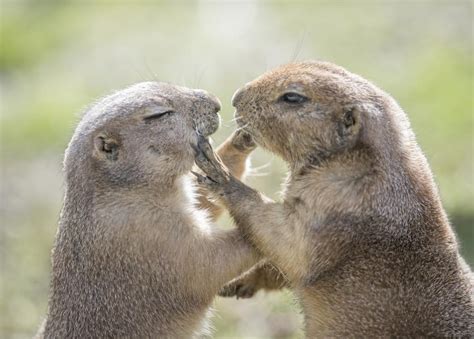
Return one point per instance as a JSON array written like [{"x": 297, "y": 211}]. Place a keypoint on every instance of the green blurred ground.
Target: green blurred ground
[{"x": 59, "y": 56}]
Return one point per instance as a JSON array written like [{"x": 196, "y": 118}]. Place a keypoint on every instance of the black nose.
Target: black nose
[{"x": 237, "y": 97}]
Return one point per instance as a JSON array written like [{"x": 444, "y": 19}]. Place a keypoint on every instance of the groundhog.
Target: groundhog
[
  {"x": 361, "y": 234},
  {"x": 134, "y": 256}
]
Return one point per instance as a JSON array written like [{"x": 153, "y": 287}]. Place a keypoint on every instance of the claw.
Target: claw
[
  {"x": 196, "y": 149},
  {"x": 210, "y": 179},
  {"x": 205, "y": 147},
  {"x": 201, "y": 179},
  {"x": 238, "y": 290},
  {"x": 201, "y": 139},
  {"x": 244, "y": 141},
  {"x": 197, "y": 175},
  {"x": 201, "y": 157},
  {"x": 244, "y": 291},
  {"x": 227, "y": 291},
  {"x": 203, "y": 142},
  {"x": 210, "y": 164}
]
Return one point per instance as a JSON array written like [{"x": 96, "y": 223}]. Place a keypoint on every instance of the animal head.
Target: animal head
[
  {"x": 307, "y": 111},
  {"x": 141, "y": 135}
]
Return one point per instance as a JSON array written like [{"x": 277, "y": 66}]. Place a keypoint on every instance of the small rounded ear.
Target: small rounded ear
[
  {"x": 106, "y": 147},
  {"x": 350, "y": 122}
]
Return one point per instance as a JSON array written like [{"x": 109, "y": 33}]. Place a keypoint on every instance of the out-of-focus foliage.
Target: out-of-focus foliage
[{"x": 59, "y": 56}]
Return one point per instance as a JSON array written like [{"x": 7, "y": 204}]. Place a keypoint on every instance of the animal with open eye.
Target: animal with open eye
[{"x": 360, "y": 235}]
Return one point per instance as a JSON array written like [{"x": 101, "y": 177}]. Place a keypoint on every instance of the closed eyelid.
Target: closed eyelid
[
  {"x": 157, "y": 112},
  {"x": 156, "y": 115}
]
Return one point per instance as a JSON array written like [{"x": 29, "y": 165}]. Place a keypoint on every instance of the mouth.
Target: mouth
[
  {"x": 240, "y": 120},
  {"x": 250, "y": 128}
]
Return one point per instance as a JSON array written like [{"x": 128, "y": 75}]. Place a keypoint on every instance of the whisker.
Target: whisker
[
  {"x": 199, "y": 75},
  {"x": 242, "y": 127},
  {"x": 235, "y": 119},
  {"x": 139, "y": 74},
  {"x": 255, "y": 171},
  {"x": 299, "y": 46},
  {"x": 153, "y": 75},
  {"x": 263, "y": 174},
  {"x": 268, "y": 164},
  {"x": 231, "y": 122}
]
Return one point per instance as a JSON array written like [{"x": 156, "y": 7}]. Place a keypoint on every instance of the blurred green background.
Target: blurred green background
[{"x": 59, "y": 56}]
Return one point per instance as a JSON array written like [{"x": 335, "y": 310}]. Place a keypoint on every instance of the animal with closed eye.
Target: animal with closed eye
[{"x": 134, "y": 256}]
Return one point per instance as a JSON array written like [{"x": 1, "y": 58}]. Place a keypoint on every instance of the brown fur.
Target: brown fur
[
  {"x": 133, "y": 255},
  {"x": 263, "y": 276},
  {"x": 234, "y": 153},
  {"x": 361, "y": 233}
]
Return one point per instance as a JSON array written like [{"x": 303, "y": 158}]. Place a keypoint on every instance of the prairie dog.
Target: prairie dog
[
  {"x": 134, "y": 257},
  {"x": 361, "y": 234}
]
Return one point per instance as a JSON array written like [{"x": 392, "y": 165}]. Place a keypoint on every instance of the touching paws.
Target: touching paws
[
  {"x": 263, "y": 276},
  {"x": 216, "y": 174},
  {"x": 240, "y": 288},
  {"x": 243, "y": 141}
]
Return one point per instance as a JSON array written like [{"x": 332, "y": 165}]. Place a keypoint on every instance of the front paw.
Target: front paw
[
  {"x": 205, "y": 158},
  {"x": 240, "y": 288},
  {"x": 243, "y": 141}
]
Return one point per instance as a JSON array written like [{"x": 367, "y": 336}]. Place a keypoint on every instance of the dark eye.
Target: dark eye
[
  {"x": 158, "y": 115},
  {"x": 293, "y": 98}
]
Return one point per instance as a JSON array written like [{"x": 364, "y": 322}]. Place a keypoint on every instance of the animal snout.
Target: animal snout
[
  {"x": 210, "y": 99},
  {"x": 237, "y": 97},
  {"x": 205, "y": 113},
  {"x": 215, "y": 102}
]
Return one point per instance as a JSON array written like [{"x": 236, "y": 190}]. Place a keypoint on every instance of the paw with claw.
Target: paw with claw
[
  {"x": 216, "y": 174},
  {"x": 263, "y": 276},
  {"x": 243, "y": 141},
  {"x": 242, "y": 287}
]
